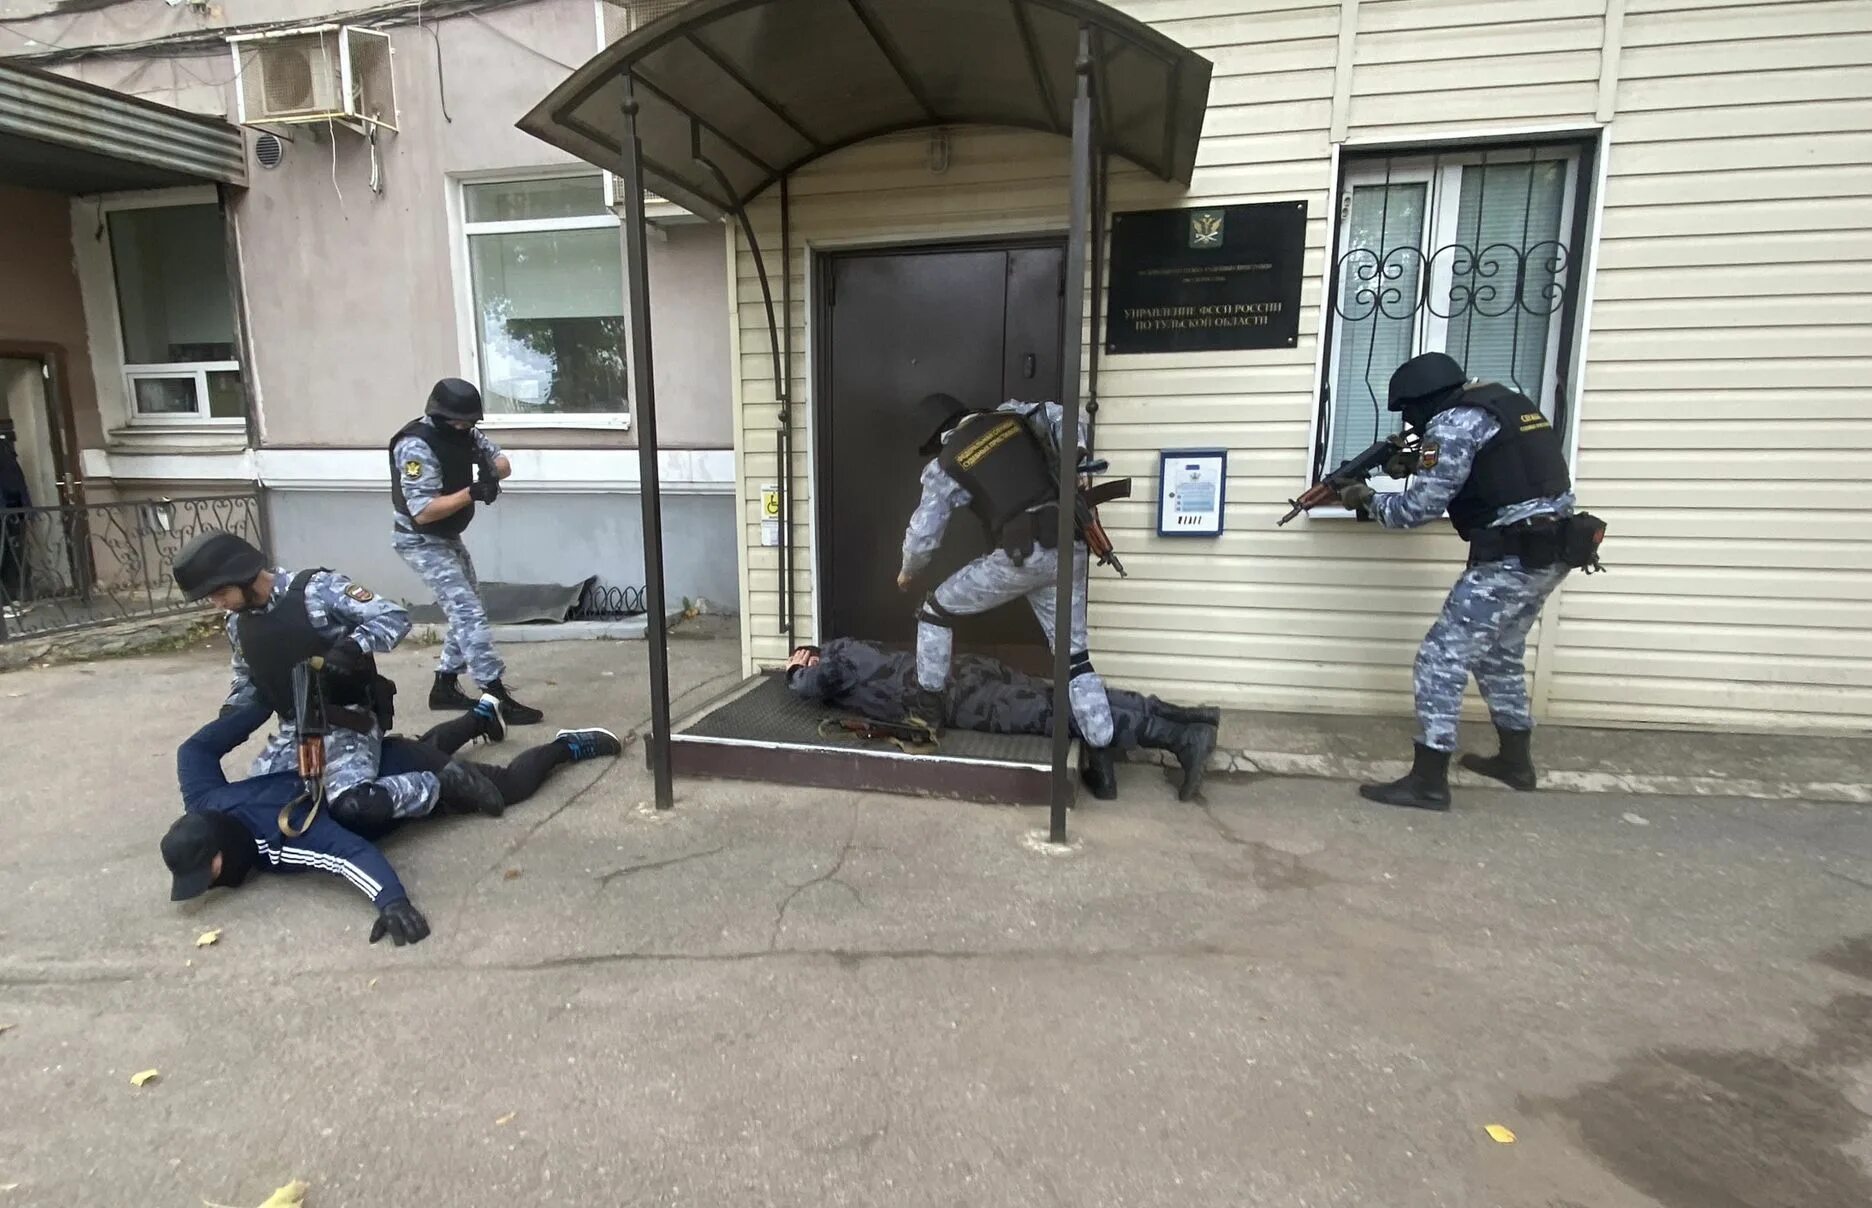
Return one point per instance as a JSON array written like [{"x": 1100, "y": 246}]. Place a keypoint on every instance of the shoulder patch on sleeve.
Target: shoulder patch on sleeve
[
  {"x": 412, "y": 468},
  {"x": 1427, "y": 455},
  {"x": 360, "y": 593}
]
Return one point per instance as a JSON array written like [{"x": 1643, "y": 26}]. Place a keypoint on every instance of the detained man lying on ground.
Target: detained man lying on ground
[
  {"x": 229, "y": 830},
  {"x": 864, "y": 678}
]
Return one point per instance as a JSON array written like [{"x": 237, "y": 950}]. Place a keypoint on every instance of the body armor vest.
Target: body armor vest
[
  {"x": 277, "y": 640},
  {"x": 997, "y": 458},
  {"x": 458, "y": 463},
  {"x": 1522, "y": 461}
]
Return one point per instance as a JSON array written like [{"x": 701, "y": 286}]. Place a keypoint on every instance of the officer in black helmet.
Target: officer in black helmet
[
  {"x": 1490, "y": 458},
  {"x": 441, "y": 466},
  {"x": 277, "y": 619}
]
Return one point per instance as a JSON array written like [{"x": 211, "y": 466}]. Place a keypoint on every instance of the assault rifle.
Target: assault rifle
[
  {"x": 312, "y": 724},
  {"x": 1356, "y": 469},
  {"x": 1085, "y": 498},
  {"x": 911, "y": 737}
]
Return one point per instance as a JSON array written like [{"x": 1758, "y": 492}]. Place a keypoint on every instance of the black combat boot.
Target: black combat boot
[
  {"x": 1191, "y": 743},
  {"x": 447, "y": 695},
  {"x": 1424, "y": 787},
  {"x": 516, "y": 713},
  {"x": 1184, "y": 715},
  {"x": 1513, "y": 766},
  {"x": 467, "y": 791},
  {"x": 1098, "y": 769}
]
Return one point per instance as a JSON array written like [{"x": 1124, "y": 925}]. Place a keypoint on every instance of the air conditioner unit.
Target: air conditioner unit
[{"x": 316, "y": 73}]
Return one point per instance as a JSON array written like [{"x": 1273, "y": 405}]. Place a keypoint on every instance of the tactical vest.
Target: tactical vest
[
  {"x": 458, "y": 463},
  {"x": 997, "y": 458},
  {"x": 1522, "y": 461},
  {"x": 277, "y": 640}
]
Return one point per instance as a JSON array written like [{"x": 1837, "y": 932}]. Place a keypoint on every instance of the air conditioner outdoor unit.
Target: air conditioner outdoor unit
[{"x": 317, "y": 73}]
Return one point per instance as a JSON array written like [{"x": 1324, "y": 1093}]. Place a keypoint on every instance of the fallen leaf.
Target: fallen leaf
[
  {"x": 9, "y": 1186},
  {"x": 208, "y": 937},
  {"x": 189, "y": 964},
  {"x": 7, "y": 1027},
  {"x": 140, "y": 1079},
  {"x": 369, "y": 984},
  {"x": 1637, "y": 819},
  {"x": 292, "y": 1195},
  {"x": 507, "y": 1118},
  {"x": 1500, "y": 1134},
  {"x": 512, "y": 874}
]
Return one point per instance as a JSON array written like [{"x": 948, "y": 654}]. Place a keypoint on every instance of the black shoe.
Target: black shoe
[
  {"x": 1424, "y": 787},
  {"x": 447, "y": 695},
  {"x": 467, "y": 791},
  {"x": 516, "y": 713},
  {"x": 1513, "y": 766},
  {"x": 1192, "y": 743},
  {"x": 1187, "y": 715},
  {"x": 590, "y": 744},
  {"x": 1098, "y": 769},
  {"x": 489, "y": 724}
]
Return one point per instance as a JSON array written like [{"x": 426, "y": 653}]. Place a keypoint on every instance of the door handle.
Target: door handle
[{"x": 1029, "y": 371}]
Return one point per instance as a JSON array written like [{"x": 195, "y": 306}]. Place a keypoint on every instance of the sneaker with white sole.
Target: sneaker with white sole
[
  {"x": 487, "y": 712},
  {"x": 590, "y": 744}
]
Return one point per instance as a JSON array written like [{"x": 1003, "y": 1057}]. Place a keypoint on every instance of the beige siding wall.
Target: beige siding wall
[
  {"x": 1727, "y": 420},
  {"x": 1720, "y": 429}
]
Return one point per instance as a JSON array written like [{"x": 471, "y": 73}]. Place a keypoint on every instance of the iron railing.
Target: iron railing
[{"x": 74, "y": 567}]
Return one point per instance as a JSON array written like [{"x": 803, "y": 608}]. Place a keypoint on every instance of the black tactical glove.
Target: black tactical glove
[
  {"x": 485, "y": 489},
  {"x": 345, "y": 657},
  {"x": 402, "y": 922},
  {"x": 1402, "y": 464},
  {"x": 1356, "y": 496}
]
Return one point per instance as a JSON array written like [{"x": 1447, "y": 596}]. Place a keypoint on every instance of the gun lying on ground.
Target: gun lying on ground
[
  {"x": 1356, "y": 469},
  {"x": 913, "y": 739},
  {"x": 312, "y": 724}
]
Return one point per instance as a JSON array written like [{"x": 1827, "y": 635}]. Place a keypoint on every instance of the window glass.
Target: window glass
[
  {"x": 172, "y": 285},
  {"x": 549, "y": 311}
]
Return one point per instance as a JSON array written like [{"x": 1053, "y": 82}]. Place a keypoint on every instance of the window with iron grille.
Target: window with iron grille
[{"x": 1473, "y": 251}]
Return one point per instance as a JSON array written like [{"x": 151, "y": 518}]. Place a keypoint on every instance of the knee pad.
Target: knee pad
[
  {"x": 933, "y": 613},
  {"x": 366, "y": 805},
  {"x": 1078, "y": 664}
]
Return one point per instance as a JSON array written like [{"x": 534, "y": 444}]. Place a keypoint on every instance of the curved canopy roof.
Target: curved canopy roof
[{"x": 764, "y": 87}]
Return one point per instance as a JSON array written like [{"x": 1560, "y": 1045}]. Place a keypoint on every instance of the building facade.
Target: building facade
[
  {"x": 280, "y": 333},
  {"x": 1684, "y": 188}
]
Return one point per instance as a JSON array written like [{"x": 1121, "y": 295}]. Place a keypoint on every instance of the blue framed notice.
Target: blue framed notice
[{"x": 1192, "y": 490}]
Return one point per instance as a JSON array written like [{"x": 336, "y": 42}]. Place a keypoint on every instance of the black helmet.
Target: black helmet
[
  {"x": 213, "y": 560},
  {"x": 941, "y": 411},
  {"x": 1423, "y": 377},
  {"x": 455, "y": 399}
]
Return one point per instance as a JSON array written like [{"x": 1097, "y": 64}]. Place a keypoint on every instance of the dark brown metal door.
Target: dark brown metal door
[{"x": 982, "y": 324}]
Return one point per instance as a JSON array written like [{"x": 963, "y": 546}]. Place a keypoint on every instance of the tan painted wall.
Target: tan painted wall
[
  {"x": 39, "y": 301},
  {"x": 1723, "y": 427}
]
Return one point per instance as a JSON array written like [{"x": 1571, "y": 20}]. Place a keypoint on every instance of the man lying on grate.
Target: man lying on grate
[
  {"x": 261, "y": 822},
  {"x": 864, "y": 678}
]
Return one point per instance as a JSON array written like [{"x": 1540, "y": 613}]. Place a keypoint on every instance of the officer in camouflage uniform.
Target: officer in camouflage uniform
[
  {"x": 992, "y": 462},
  {"x": 441, "y": 465},
  {"x": 864, "y": 678},
  {"x": 278, "y": 619},
  {"x": 1494, "y": 462}
]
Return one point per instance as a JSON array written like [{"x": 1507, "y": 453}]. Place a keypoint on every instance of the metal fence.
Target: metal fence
[{"x": 73, "y": 567}]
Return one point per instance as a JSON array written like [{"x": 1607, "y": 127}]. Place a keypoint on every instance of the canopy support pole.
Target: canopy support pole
[
  {"x": 643, "y": 398},
  {"x": 1067, "y": 535}
]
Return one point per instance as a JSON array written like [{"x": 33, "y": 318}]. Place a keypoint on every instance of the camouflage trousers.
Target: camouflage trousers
[
  {"x": 444, "y": 564},
  {"x": 994, "y": 698},
  {"x": 351, "y": 762},
  {"x": 1482, "y": 630},
  {"x": 993, "y": 580}
]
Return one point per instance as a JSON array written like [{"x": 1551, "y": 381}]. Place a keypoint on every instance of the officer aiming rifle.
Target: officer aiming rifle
[{"x": 1397, "y": 455}]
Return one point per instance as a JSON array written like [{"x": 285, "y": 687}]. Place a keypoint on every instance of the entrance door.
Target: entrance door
[
  {"x": 980, "y": 323},
  {"x": 35, "y": 551}
]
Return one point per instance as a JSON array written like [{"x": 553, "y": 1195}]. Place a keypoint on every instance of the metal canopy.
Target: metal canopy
[
  {"x": 71, "y": 137},
  {"x": 763, "y": 87}
]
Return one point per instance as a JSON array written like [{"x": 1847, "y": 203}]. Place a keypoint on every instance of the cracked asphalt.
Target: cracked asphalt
[{"x": 1281, "y": 996}]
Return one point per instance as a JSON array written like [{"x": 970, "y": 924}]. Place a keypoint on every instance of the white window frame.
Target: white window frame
[
  {"x": 1441, "y": 168},
  {"x": 468, "y": 321},
  {"x": 130, "y": 372}
]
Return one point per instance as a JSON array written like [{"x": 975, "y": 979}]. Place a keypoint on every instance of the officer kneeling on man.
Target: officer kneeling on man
[{"x": 1493, "y": 461}]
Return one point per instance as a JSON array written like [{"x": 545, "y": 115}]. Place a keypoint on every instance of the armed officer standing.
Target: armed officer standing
[
  {"x": 278, "y": 619},
  {"x": 1496, "y": 464},
  {"x": 441, "y": 465},
  {"x": 994, "y": 464}
]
